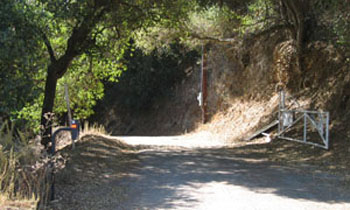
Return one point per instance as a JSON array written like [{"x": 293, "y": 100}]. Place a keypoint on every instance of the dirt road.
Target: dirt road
[
  {"x": 175, "y": 173},
  {"x": 189, "y": 172}
]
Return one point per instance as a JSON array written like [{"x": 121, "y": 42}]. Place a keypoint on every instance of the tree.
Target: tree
[
  {"x": 94, "y": 28},
  {"x": 82, "y": 21},
  {"x": 86, "y": 39}
]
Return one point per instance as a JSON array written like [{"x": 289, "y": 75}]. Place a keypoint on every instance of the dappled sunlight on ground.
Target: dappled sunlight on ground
[
  {"x": 195, "y": 171},
  {"x": 221, "y": 178}
]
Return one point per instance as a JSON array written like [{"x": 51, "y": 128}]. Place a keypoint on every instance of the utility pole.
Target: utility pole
[{"x": 204, "y": 88}]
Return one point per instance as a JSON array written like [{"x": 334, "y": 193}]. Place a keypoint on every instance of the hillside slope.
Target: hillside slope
[{"x": 243, "y": 82}]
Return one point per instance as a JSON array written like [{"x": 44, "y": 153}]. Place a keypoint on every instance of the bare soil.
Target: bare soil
[
  {"x": 197, "y": 172},
  {"x": 88, "y": 180}
]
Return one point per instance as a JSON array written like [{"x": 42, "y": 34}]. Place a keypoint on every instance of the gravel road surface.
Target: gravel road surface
[{"x": 195, "y": 173}]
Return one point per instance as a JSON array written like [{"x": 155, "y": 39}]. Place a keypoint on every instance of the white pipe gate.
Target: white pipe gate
[{"x": 316, "y": 121}]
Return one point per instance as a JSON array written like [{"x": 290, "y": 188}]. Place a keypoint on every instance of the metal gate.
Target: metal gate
[{"x": 313, "y": 124}]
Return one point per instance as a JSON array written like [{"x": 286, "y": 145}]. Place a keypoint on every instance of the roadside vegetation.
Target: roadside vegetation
[{"x": 24, "y": 171}]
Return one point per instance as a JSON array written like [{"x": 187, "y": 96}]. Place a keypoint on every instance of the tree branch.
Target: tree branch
[
  {"x": 247, "y": 37},
  {"x": 269, "y": 30},
  {"x": 49, "y": 48},
  {"x": 79, "y": 40},
  {"x": 213, "y": 39}
]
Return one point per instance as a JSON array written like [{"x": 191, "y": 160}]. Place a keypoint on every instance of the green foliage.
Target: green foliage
[
  {"x": 257, "y": 17},
  {"x": 105, "y": 52},
  {"x": 162, "y": 24},
  {"x": 165, "y": 31},
  {"x": 334, "y": 17},
  {"x": 232, "y": 4},
  {"x": 104, "y": 30},
  {"x": 197, "y": 25},
  {"x": 85, "y": 84},
  {"x": 341, "y": 24},
  {"x": 206, "y": 21},
  {"x": 216, "y": 22},
  {"x": 25, "y": 58},
  {"x": 20, "y": 56}
]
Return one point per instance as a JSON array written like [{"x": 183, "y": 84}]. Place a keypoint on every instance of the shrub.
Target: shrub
[{"x": 23, "y": 173}]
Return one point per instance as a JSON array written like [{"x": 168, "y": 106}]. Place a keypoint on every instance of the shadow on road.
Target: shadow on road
[
  {"x": 104, "y": 173},
  {"x": 165, "y": 178}
]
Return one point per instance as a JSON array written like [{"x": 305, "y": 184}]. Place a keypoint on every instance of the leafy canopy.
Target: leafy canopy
[
  {"x": 44, "y": 32},
  {"x": 20, "y": 56},
  {"x": 28, "y": 27}
]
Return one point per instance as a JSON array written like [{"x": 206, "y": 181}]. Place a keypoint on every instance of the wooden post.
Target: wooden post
[
  {"x": 204, "y": 86},
  {"x": 68, "y": 110}
]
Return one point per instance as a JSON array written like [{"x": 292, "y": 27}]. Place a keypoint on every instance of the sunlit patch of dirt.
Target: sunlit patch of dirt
[{"x": 18, "y": 204}]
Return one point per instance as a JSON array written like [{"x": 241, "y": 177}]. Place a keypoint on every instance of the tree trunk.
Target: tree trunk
[
  {"x": 221, "y": 3},
  {"x": 294, "y": 12},
  {"x": 49, "y": 100}
]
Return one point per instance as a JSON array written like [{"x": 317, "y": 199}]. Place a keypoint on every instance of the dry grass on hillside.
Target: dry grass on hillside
[
  {"x": 245, "y": 117},
  {"x": 238, "y": 121},
  {"x": 251, "y": 101}
]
